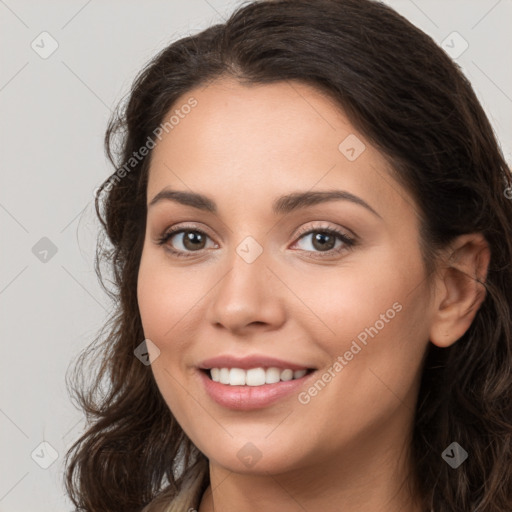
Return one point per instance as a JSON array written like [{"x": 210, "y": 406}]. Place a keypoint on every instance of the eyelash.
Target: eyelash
[{"x": 348, "y": 242}]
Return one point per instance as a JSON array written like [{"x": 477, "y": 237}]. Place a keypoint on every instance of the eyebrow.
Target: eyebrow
[{"x": 281, "y": 206}]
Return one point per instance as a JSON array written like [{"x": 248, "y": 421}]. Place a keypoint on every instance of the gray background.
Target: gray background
[{"x": 53, "y": 116}]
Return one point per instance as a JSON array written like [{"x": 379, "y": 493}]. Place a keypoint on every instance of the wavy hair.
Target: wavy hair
[{"x": 414, "y": 104}]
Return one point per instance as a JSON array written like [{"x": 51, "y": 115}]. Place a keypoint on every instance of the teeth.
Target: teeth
[
  {"x": 254, "y": 376},
  {"x": 272, "y": 375},
  {"x": 287, "y": 375},
  {"x": 224, "y": 375},
  {"x": 237, "y": 377}
]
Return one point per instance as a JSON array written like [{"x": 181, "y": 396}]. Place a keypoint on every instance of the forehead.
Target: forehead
[{"x": 266, "y": 140}]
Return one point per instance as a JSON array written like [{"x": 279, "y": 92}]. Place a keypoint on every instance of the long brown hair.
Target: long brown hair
[{"x": 415, "y": 105}]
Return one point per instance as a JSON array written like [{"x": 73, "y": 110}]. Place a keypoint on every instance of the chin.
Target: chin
[{"x": 255, "y": 457}]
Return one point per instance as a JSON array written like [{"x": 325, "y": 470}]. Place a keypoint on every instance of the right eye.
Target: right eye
[{"x": 191, "y": 240}]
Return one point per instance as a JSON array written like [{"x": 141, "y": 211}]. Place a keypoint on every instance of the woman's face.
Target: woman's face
[{"x": 265, "y": 284}]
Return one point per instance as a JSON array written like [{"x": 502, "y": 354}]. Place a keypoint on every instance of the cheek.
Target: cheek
[
  {"x": 168, "y": 299},
  {"x": 372, "y": 316},
  {"x": 382, "y": 335},
  {"x": 151, "y": 298},
  {"x": 157, "y": 289},
  {"x": 165, "y": 295},
  {"x": 353, "y": 296}
]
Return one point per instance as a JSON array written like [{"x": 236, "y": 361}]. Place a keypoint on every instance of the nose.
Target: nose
[{"x": 248, "y": 297}]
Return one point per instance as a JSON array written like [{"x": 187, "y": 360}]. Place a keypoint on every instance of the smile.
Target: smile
[
  {"x": 254, "y": 376},
  {"x": 251, "y": 382},
  {"x": 253, "y": 394}
]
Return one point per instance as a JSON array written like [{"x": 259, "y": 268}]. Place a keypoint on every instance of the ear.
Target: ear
[{"x": 459, "y": 288}]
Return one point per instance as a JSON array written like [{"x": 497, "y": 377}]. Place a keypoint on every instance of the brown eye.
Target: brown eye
[
  {"x": 193, "y": 240},
  {"x": 324, "y": 240},
  {"x": 184, "y": 240}
]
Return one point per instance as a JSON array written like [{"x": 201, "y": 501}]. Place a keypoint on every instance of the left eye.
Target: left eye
[{"x": 324, "y": 240}]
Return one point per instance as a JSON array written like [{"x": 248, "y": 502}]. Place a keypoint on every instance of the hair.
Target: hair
[{"x": 414, "y": 104}]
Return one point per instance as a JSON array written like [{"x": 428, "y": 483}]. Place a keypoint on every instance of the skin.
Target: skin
[{"x": 347, "y": 449}]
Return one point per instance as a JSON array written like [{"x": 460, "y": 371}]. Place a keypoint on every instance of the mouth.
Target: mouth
[
  {"x": 252, "y": 389},
  {"x": 254, "y": 377},
  {"x": 251, "y": 382}
]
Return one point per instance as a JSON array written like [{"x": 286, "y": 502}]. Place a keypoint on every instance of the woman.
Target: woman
[{"x": 340, "y": 336}]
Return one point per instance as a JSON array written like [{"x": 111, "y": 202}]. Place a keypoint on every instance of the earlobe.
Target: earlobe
[{"x": 460, "y": 289}]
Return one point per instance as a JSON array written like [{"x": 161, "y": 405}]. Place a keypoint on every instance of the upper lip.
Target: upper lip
[{"x": 247, "y": 362}]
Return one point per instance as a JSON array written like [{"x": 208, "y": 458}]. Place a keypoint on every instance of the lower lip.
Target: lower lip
[{"x": 247, "y": 398}]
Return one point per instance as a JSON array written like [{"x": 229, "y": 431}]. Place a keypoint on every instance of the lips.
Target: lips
[
  {"x": 235, "y": 391},
  {"x": 252, "y": 361}
]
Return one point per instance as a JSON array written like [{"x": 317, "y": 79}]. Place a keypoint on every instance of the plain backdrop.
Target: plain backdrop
[{"x": 54, "y": 111}]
